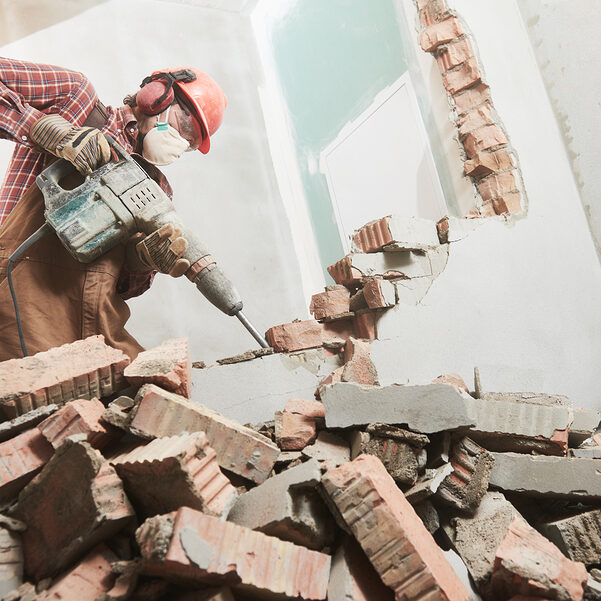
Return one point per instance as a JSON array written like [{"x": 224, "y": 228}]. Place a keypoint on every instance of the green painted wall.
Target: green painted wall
[{"x": 333, "y": 57}]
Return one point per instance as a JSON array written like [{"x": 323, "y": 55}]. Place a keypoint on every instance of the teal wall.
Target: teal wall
[{"x": 333, "y": 57}]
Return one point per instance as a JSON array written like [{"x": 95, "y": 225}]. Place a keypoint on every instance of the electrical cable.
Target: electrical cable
[{"x": 39, "y": 233}]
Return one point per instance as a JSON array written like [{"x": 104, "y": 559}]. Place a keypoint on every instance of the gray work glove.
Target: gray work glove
[
  {"x": 162, "y": 251},
  {"x": 85, "y": 147}
]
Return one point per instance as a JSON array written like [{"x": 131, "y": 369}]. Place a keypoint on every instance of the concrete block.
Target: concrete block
[
  {"x": 87, "y": 581},
  {"x": 527, "y": 563},
  {"x": 427, "y": 409},
  {"x": 440, "y": 33},
  {"x": 393, "y": 537},
  {"x": 295, "y": 336},
  {"x": 167, "y": 365},
  {"x": 81, "y": 370},
  {"x": 586, "y": 422},
  {"x": 188, "y": 472},
  {"x": 239, "y": 449},
  {"x": 358, "y": 367},
  {"x": 21, "y": 458},
  {"x": 586, "y": 452},
  {"x": 82, "y": 416},
  {"x": 394, "y": 233},
  {"x": 288, "y": 507},
  {"x": 334, "y": 301},
  {"x": 75, "y": 502},
  {"x": 510, "y": 422},
  {"x": 329, "y": 449},
  {"x": 11, "y": 428},
  {"x": 468, "y": 483},
  {"x": 11, "y": 561},
  {"x": 189, "y": 545},
  {"x": 353, "y": 578},
  {"x": 252, "y": 392},
  {"x": 577, "y": 536},
  {"x": 296, "y": 426},
  {"x": 562, "y": 477}
]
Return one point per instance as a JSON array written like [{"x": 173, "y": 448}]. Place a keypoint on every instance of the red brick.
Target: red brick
[
  {"x": 433, "y": 12},
  {"x": 442, "y": 227},
  {"x": 335, "y": 376},
  {"x": 392, "y": 535},
  {"x": 373, "y": 236},
  {"x": 497, "y": 185},
  {"x": 187, "y": 468},
  {"x": 75, "y": 502},
  {"x": 482, "y": 139},
  {"x": 307, "y": 408},
  {"x": 239, "y": 449},
  {"x": 82, "y": 416},
  {"x": 296, "y": 426},
  {"x": 20, "y": 459},
  {"x": 358, "y": 365},
  {"x": 487, "y": 162},
  {"x": 510, "y": 202},
  {"x": 471, "y": 98},
  {"x": 379, "y": 294},
  {"x": 454, "y": 54},
  {"x": 475, "y": 119},
  {"x": 365, "y": 325},
  {"x": 295, "y": 336},
  {"x": 88, "y": 580},
  {"x": 441, "y": 33},
  {"x": 527, "y": 563},
  {"x": 336, "y": 333},
  {"x": 189, "y": 545},
  {"x": 454, "y": 380},
  {"x": 465, "y": 76},
  {"x": 344, "y": 273},
  {"x": 334, "y": 301},
  {"x": 167, "y": 365},
  {"x": 487, "y": 210},
  {"x": 81, "y": 370}
]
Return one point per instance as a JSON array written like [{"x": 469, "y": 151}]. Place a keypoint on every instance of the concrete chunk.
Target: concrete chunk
[
  {"x": 191, "y": 546},
  {"x": 393, "y": 537},
  {"x": 427, "y": 409},
  {"x": 83, "y": 369},
  {"x": 26, "y": 421},
  {"x": 11, "y": 561},
  {"x": 329, "y": 448},
  {"x": 562, "y": 477},
  {"x": 186, "y": 467},
  {"x": 586, "y": 422},
  {"x": 239, "y": 449},
  {"x": 288, "y": 507}
]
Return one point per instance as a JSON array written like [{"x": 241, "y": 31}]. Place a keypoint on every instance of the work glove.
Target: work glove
[
  {"x": 85, "y": 147},
  {"x": 162, "y": 251}
]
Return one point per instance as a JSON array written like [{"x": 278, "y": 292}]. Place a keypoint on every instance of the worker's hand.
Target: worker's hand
[
  {"x": 162, "y": 251},
  {"x": 85, "y": 147}
]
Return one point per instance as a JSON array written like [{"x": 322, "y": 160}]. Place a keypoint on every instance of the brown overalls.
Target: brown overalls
[{"x": 60, "y": 299}]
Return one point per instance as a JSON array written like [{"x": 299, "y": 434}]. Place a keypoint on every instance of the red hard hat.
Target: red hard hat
[{"x": 202, "y": 93}]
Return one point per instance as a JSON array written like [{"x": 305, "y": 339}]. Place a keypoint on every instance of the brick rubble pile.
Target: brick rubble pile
[{"x": 115, "y": 483}]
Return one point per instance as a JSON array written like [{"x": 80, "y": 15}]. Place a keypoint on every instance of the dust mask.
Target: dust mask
[{"x": 163, "y": 144}]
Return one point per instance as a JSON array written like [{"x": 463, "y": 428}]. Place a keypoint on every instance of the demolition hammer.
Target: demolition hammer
[{"x": 113, "y": 203}]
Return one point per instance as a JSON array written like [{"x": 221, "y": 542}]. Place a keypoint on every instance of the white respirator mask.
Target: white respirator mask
[{"x": 163, "y": 144}]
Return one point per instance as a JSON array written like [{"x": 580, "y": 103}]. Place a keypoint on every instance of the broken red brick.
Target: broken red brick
[
  {"x": 392, "y": 535},
  {"x": 527, "y": 563},
  {"x": 167, "y": 365},
  {"x": 453, "y": 54},
  {"x": 442, "y": 227},
  {"x": 358, "y": 366},
  {"x": 510, "y": 202},
  {"x": 82, "y": 416},
  {"x": 471, "y": 98},
  {"x": 76, "y": 501},
  {"x": 373, "y": 236},
  {"x": 365, "y": 325},
  {"x": 454, "y": 380},
  {"x": 344, "y": 273},
  {"x": 191, "y": 546},
  {"x": 187, "y": 468},
  {"x": 334, "y": 301},
  {"x": 482, "y": 139},
  {"x": 336, "y": 333},
  {"x": 81, "y": 370},
  {"x": 460, "y": 78},
  {"x": 475, "y": 119},
  {"x": 486, "y": 209},
  {"x": 497, "y": 185},
  {"x": 485, "y": 163},
  {"x": 296, "y": 426},
  {"x": 87, "y": 581},
  {"x": 441, "y": 33},
  {"x": 335, "y": 376},
  {"x": 295, "y": 336},
  {"x": 379, "y": 294},
  {"x": 239, "y": 449},
  {"x": 20, "y": 459}
]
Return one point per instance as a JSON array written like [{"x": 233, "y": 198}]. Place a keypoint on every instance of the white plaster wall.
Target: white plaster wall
[
  {"x": 519, "y": 300},
  {"x": 231, "y": 194}
]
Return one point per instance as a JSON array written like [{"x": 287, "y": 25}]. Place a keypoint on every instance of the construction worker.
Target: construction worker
[{"x": 53, "y": 112}]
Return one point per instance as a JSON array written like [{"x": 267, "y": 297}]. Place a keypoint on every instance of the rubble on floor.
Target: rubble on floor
[{"x": 121, "y": 481}]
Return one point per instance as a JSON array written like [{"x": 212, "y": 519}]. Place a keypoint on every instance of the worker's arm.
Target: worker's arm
[{"x": 28, "y": 91}]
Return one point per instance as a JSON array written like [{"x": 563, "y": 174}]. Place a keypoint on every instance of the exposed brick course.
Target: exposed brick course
[
  {"x": 440, "y": 33},
  {"x": 295, "y": 336},
  {"x": 487, "y": 162},
  {"x": 482, "y": 139},
  {"x": 462, "y": 77},
  {"x": 453, "y": 54},
  {"x": 334, "y": 301}
]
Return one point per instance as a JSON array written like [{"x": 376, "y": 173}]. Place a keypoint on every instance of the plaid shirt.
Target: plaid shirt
[{"x": 28, "y": 91}]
